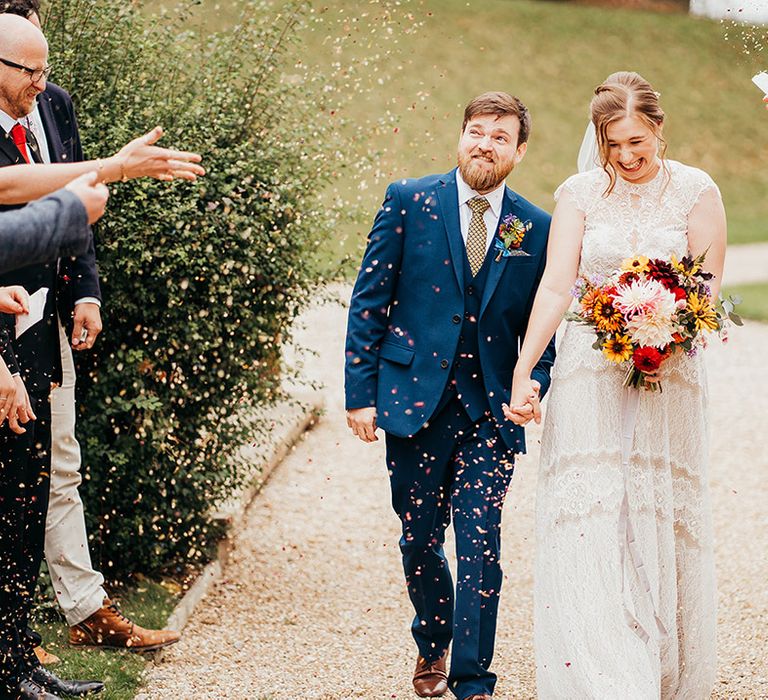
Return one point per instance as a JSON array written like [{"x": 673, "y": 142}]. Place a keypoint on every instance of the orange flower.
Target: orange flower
[
  {"x": 607, "y": 318},
  {"x": 589, "y": 299}
]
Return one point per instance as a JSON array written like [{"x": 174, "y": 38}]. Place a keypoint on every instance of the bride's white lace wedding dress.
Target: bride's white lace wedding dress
[{"x": 588, "y": 593}]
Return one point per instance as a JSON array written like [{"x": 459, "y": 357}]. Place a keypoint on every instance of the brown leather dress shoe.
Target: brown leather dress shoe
[
  {"x": 108, "y": 628},
  {"x": 430, "y": 680},
  {"x": 45, "y": 657}
]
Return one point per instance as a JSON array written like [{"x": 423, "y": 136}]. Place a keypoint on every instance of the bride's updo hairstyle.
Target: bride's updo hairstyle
[{"x": 624, "y": 94}]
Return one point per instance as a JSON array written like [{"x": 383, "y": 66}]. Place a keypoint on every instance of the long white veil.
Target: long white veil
[{"x": 589, "y": 156}]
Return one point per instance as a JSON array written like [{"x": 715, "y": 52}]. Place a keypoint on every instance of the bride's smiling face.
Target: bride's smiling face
[{"x": 632, "y": 150}]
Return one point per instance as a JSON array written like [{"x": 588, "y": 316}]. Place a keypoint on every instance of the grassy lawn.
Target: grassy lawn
[
  {"x": 148, "y": 605},
  {"x": 414, "y": 65},
  {"x": 754, "y": 300}
]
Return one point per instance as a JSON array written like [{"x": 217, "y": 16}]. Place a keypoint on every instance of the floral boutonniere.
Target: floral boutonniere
[{"x": 511, "y": 234}]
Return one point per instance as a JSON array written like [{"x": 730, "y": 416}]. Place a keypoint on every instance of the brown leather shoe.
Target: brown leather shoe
[
  {"x": 110, "y": 629},
  {"x": 45, "y": 657},
  {"x": 430, "y": 679},
  {"x": 479, "y": 697}
]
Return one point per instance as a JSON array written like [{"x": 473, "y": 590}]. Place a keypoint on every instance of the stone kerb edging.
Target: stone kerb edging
[{"x": 290, "y": 419}]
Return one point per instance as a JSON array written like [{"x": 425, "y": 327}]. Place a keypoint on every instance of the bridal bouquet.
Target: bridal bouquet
[{"x": 649, "y": 310}]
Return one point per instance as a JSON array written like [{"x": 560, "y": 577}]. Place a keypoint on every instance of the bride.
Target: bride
[{"x": 625, "y": 603}]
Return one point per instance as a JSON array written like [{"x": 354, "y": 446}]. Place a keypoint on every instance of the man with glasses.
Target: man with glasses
[
  {"x": 94, "y": 619},
  {"x": 40, "y": 132},
  {"x": 33, "y": 357}
]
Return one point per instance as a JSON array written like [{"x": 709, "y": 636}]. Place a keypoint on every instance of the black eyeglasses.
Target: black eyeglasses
[{"x": 34, "y": 73}]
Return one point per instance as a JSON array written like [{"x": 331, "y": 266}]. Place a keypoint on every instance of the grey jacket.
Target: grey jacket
[
  {"x": 41, "y": 232},
  {"x": 50, "y": 228}
]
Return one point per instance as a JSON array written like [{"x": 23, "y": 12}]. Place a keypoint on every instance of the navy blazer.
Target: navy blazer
[
  {"x": 78, "y": 276},
  {"x": 408, "y": 301},
  {"x": 38, "y": 352}
]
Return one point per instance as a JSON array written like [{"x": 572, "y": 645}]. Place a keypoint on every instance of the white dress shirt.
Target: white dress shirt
[
  {"x": 8, "y": 122},
  {"x": 34, "y": 123},
  {"x": 491, "y": 215}
]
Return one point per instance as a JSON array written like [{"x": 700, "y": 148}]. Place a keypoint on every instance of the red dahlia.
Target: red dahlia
[
  {"x": 647, "y": 359},
  {"x": 662, "y": 271}
]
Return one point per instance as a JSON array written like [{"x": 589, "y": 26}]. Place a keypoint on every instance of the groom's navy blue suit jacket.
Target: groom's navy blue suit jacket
[{"x": 407, "y": 308}]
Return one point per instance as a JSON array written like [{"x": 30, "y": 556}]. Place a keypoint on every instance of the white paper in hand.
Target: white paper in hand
[{"x": 36, "y": 308}]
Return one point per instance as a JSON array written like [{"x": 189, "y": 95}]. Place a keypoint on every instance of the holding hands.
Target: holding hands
[
  {"x": 362, "y": 423},
  {"x": 524, "y": 403}
]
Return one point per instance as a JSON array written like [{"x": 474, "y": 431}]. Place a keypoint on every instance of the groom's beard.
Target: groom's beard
[{"x": 481, "y": 178}]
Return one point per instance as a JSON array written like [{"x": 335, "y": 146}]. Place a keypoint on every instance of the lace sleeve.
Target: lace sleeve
[
  {"x": 698, "y": 182},
  {"x": 581, "y": 188}
]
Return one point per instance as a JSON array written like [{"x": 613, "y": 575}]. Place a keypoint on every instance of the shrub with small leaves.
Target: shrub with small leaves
[{"x": 201, "y": 281}]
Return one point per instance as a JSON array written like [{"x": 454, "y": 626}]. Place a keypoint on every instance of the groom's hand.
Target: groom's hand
[
  {"x": 521, "y": 413},
  {"x": 362, "y": 422}
]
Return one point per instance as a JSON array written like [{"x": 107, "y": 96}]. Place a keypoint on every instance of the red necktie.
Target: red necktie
[{"x": 19, "y": 136}]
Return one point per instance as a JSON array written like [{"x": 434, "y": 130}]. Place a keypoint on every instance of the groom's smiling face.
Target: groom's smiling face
[{"x": 488, "y": 150}]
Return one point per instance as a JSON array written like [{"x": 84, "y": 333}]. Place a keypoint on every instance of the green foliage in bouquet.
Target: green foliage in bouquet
[{"x": 201, "y": 281}]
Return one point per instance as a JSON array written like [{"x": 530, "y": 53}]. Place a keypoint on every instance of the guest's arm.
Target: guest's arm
[
  {"x": 51, "y": 228},
  {"x": 139, "y": 158}
]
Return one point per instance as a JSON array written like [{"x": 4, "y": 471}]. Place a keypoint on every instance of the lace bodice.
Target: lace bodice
[{"x": 649, "y": 219}]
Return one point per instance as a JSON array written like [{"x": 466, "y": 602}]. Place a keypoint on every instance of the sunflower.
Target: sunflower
[
  {"x": 618, "y": 348},
  {"x": 704, "y": 315},
  {"x": 607, "y": 318},
  {"x": 638, "y": 264}
]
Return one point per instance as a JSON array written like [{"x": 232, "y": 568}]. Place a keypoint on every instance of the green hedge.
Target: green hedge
[{"x": 200, "y": 282}]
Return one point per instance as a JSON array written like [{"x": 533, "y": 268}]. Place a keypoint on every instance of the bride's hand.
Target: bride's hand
[
  {"x": 141, "y": 158},
  {"x": 524, "y": 403}
]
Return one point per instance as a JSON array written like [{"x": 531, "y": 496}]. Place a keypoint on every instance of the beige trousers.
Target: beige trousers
[{"x": 79, "y": 588}]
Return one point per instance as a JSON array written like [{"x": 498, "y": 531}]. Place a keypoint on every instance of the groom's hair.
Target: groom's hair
[
  {"x": 501, "y": 104},
  {"x": 23, "y": 8}
]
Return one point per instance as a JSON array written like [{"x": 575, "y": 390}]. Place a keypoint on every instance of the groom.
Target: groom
[{"x": 437, "y": 315}]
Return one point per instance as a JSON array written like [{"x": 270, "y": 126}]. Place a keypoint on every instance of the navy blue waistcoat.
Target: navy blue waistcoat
[{"x": 467, "y": 370}]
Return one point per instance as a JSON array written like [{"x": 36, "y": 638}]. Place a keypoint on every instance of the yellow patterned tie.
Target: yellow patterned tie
[{"x": 476, "y": 237}]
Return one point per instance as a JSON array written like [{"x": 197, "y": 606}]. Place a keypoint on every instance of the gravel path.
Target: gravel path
[
  {"x": 313, "y": 605},
  {"x": 745, "y": 264}
]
